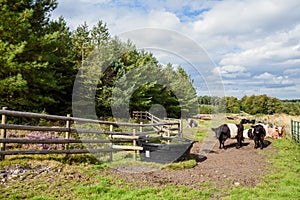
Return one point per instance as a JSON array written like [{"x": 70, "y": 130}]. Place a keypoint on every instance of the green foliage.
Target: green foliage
[
  {"x": 34, "y": 54},
  {"x": 261, "y": 104},
  {"x": 291, "y": 107},
  {"x": 205, "y": 109},
  {"x": 124, "y": 77}
]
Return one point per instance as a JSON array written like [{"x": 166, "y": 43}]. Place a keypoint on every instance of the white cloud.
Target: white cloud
[
  {"x": 231, "y": 71},
  {"x": 273, "y": 81},
  {"x": 265, "y": 76},
  {"x": 249, "y": 16},
  {"x": 278, "y": 49},
  {"x": 163, "y": 19}
]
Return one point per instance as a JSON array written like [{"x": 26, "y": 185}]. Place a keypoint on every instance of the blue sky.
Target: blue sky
[{"x": 249, "y": 46}]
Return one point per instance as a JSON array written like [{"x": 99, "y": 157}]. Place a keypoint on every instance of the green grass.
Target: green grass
[
  {"x": 283, "y": 181},
  {"x": 200, "y": 135},
  {"x": 197, "y": 133},
  {"x": 106, "y": 189},
  {"x": 188, "y": 164}
]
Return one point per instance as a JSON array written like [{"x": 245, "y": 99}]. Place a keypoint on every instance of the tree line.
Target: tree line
[
  {"x": 254, "y": 104},
  {"x": 40, "y": 59}
]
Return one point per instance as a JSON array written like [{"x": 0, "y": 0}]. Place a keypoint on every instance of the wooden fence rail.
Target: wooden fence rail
[
  {"x": 111, "y": 138},
  {"x": 77, "y": 130},
  {"x": 76, "y": 119},
  {"x": 295, "y": 131},
  {"x": 172, "y": 126}
]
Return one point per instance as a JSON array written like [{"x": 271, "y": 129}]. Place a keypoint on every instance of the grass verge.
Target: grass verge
[{"x": 283, "y": 181}]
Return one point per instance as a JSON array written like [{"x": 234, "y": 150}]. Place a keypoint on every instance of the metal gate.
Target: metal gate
[{"x": 295, "y": 130}]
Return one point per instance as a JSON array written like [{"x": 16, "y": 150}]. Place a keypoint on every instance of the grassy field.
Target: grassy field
[
  {"x": 283, "y": 180},
  {"x": 83, "y": 177}
]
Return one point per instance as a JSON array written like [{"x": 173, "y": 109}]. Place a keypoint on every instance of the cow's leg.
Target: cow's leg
[
  {"x": 255, "y": 143},
  {"x": 261, "y": 143},
  {"x": 239, "y": 142},
  {"x": 220, "y": 141},
  {"x": 224, "y": 144}
]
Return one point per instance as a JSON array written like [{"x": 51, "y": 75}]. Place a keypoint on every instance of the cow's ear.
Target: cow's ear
[
  {"x": 252, "y": 126},
  {"x": 213, "y": 129}
]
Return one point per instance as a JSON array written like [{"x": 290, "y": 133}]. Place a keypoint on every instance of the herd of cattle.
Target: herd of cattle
[{"x": 258, "y": 132}]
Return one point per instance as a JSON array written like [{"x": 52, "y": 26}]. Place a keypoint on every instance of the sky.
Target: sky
[{"x": 230, "y": 47}]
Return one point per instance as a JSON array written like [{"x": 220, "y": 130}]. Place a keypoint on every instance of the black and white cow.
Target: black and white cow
[
  {"x": 222, "y": 134},
  {"x": 229, "y": 130},
  {"x": 259, "y": 133},
  {"x": 248, "y": 133}
]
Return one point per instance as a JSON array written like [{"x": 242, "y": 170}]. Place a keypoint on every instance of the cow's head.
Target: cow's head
[{"x": 258, "y": 130}]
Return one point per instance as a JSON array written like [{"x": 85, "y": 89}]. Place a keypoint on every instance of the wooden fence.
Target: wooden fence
[
  {"x": 295, "y": 131},
  {"x": 173, "y": 128},
  {"x": 115, "y": 140}
]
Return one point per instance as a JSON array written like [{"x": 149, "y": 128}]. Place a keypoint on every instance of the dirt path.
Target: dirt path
[{"x": 222, "y": 168}]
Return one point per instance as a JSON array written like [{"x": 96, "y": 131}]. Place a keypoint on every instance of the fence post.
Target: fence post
[
  {"x": 134, "y": 144},
  {"x": 180, "y": 128},
  {"x": 111, "y": 153},
  {"x": 293, "y": 130},
  {"x": 169, "y": 134},
  {"x": 141, "y": 127},
  {"x": 292, "y": 135},
  {"x": 298, "y": 132},
  {"x": 68, "y": 126},
  {"x": 3, "y": 134}
]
